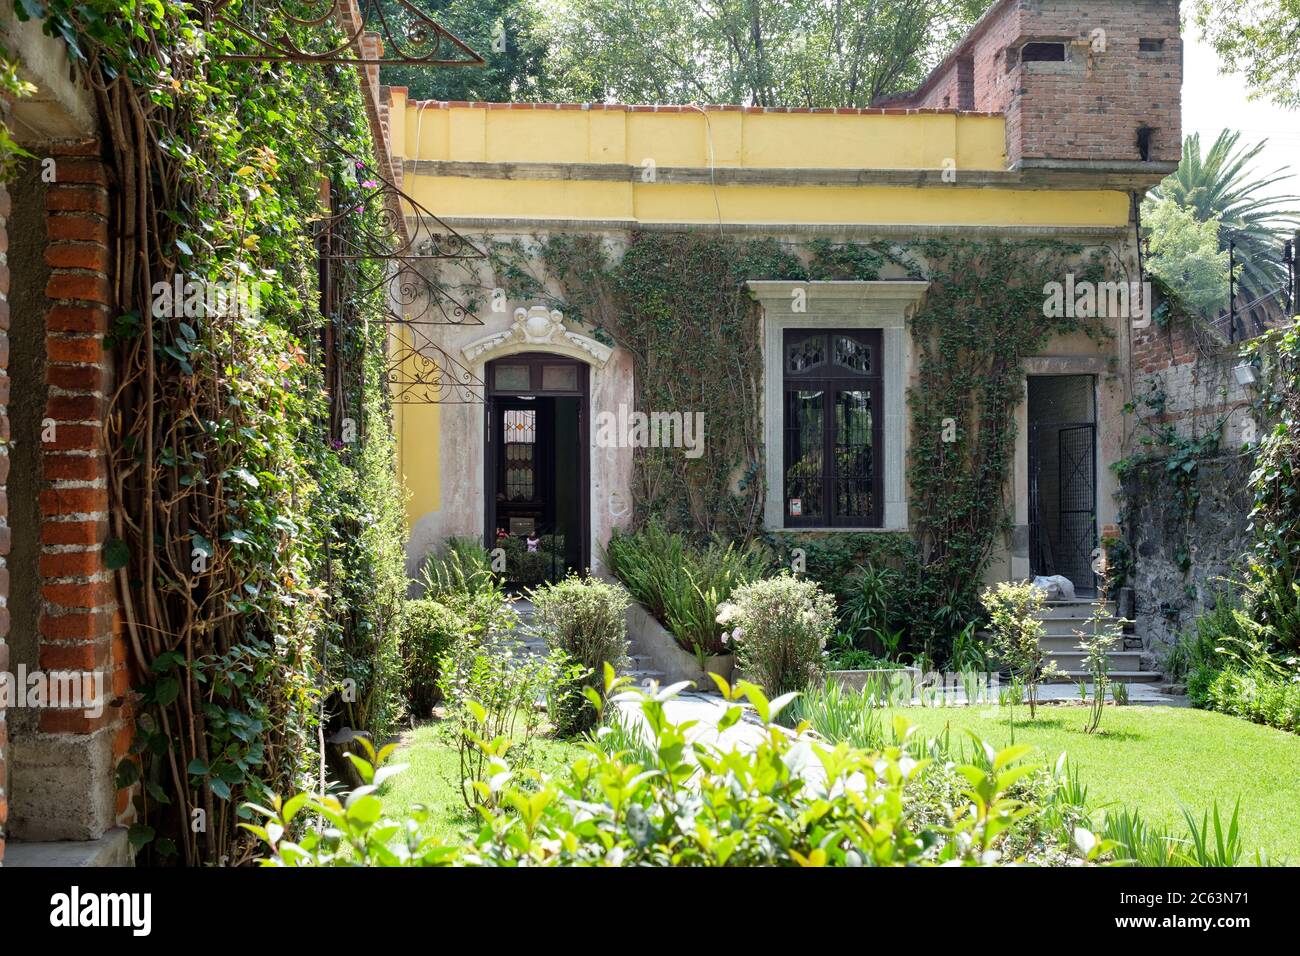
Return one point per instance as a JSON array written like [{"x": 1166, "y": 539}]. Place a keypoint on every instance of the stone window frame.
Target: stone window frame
[{"x": 848, "y": 304}]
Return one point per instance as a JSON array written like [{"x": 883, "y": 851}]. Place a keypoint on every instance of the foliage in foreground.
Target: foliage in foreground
[{"x": 791, "y": 801}]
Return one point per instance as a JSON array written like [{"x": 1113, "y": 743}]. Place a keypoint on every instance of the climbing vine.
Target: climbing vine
[
  {"x": 257, "y": 556},
  {"x": 677, "y": 303}
]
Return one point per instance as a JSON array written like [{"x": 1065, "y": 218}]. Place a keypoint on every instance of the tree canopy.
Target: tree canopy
[
  {"x": 812, "y": 53},
  {"x": 1260, "y": 38}
]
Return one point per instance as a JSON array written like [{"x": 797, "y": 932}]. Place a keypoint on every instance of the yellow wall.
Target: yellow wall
[
  {"x": 723, "y": 139},
  {"x": 733, "y": 139},
  {"x": 419, "y": 432}
]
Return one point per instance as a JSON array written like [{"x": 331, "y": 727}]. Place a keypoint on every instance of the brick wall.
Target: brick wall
[
  {"x": 1088, "y": 107},
  {"x": 1195, "y": 373},
  {"x": 80, "y": 629}
]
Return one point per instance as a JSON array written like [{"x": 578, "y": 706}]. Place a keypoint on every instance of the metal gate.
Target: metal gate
[{"x": 1063, "y": 527}]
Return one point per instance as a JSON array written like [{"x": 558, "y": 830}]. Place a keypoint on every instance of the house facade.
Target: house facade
[{"x": 1048, "y": 122}]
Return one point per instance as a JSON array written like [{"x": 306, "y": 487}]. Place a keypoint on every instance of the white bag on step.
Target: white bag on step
[{"x": 1055, "y": 586}]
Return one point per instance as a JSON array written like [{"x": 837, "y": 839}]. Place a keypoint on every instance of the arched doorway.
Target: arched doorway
[{"x": 536, "y": 467}]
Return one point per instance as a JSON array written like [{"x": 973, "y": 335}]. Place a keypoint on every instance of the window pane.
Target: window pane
[
  {"x": 513, "y": 377},
  {"x": 804, "y": 467},
  {"x": 854, "y": 465},
  {"x": 560, "y": 378},
  {"x": 852, "y": 354},
  {"x": 520, "y": 428},
  {"x": 806, "y": 354}
]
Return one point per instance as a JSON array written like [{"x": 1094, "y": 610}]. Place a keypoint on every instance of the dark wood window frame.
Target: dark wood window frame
[{"x": 821, "y": 497}]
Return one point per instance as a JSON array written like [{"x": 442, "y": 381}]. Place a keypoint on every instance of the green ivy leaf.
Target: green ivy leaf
[{"x": 116, "y": 554}]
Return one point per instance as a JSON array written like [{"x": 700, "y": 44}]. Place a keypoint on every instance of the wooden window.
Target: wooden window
[{"x": 833, "y": 389}]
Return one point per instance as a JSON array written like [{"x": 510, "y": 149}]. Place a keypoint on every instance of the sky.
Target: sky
[{"x": 1213, "y": 101}]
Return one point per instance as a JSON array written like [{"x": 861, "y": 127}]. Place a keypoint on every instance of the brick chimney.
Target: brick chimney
[{"x": 1080, "y": 82}]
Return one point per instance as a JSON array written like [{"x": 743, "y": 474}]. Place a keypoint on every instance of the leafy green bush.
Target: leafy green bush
[
  {"x": 1013, "y": 609},
  {"x": 428, "y": 631},
  {"x": 492, "y": 686},
  {"x": 681, "y": 584},
  {"x": 850, "y": 807},
  {"x": 779, "y": 627},
  {"x": 586, "y": 619},
  {"x": 462, "y": 579},
  {"x": 1258, "y": 694},
  {"x": 465, "y": 567},
  {"x": 529, "y": 568}
]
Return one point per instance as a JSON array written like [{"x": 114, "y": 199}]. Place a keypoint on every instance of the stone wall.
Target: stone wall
[{"x": 1180, "y": 560}]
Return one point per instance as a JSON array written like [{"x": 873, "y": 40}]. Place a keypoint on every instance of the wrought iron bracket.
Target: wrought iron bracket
[{"x": 421, "y": 372}]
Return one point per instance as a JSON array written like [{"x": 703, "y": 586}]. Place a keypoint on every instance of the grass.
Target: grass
[
  {"x": 432, "y": 776},
  {"x": 1157, "y": 759}
]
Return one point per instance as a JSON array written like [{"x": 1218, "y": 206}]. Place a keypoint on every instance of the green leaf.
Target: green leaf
[
  {"x": 167, "y": 690},
  {"x": 139, "y": 835},
  {"x": 116, "y": 554}
]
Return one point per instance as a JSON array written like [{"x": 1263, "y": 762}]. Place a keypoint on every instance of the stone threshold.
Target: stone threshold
[{"x": 112, "y": 849}]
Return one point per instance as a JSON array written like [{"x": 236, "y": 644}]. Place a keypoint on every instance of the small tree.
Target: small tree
[
  {"x": 1096, "y": 643},
  {"x": 1014, "y": 610}
]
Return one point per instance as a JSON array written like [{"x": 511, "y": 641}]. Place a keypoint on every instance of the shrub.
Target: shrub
[
  {"x": 463, "y": 580},
  {"x": 1013, "y": 610},
  {"x": 851, "y": 807},
  {"x": 840, "y": 715},
  {"x": 587, "y": 620},
  {"x": 428, "y": 631},
  {"x": 533, "y": 567},
  {"x": 491, "y": 687},
  {"x": 680, "y": 584},
  {"x": 465, "y": 567},
  {"x": 780, "y": 626}
]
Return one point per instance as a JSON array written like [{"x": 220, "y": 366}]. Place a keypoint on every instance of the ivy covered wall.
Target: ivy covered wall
[
  {"x": 254, "y": 532},
  {"x": 676, "y": 302}
]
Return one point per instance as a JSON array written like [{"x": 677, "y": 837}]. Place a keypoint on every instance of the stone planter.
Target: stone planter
[
  {"x": 721, "y": 664},
  {"x": 650, "y": 639},
  {"x": 900, "y": 683}
]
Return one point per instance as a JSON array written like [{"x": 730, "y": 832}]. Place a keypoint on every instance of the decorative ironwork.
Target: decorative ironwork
[
  {"x": 422, "y": 372},
  {"x": 385, "y": 234},
  {"x": 411, "y": 37},
  {"x": 410, "y": 296}
]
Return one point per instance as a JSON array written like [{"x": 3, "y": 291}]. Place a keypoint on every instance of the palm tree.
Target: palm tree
[{"x": 1218, "y": 186}]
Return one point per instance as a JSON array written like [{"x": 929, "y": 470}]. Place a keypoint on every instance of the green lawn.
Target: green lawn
[
  {"x": 433, "y": 771},
  {"x": 1156, "y": 758}
]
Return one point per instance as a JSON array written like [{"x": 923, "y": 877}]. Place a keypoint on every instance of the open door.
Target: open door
[
  {"x": 537, "y": 465},
  {"x": 1063, "y": 478}
]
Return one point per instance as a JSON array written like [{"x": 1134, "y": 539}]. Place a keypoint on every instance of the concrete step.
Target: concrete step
[
  {"x": 1081, "y": 608},
  {"x": 1119, "y": 660},
  {"x": 1066, "y": 626},
  {"x": 1062, "y": 642},
  {"x": 1119, "y": 677}
]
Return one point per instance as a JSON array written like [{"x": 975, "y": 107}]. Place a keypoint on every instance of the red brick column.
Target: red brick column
[
  {"x": 4, "y": 498},
  {"x": 80, "y": 626}
]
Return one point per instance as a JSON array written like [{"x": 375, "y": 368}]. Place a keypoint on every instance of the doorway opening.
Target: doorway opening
[
  {"x": 536, "y": 470},
  {"x": 1063, "y": 478}
]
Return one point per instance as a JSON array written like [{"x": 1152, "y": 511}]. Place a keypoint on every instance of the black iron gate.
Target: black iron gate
[{"x": 1063, "y": 528}]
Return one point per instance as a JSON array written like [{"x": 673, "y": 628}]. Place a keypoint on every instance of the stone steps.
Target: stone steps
[
  {"x": 1067, "y": 623},
  {"x": 1116, "y": 677}
]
